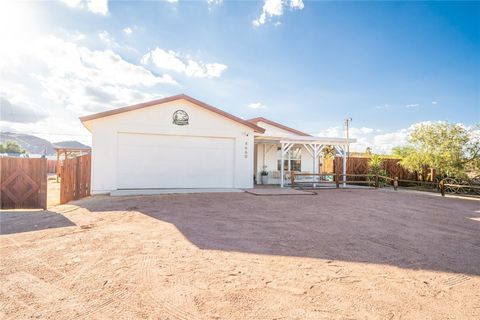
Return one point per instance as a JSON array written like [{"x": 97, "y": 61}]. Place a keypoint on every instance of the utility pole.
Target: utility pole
[{"x": 347, "y": 125}]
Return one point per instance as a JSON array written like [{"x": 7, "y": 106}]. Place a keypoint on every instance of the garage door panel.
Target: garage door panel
[{"x": 164, "y": 161}]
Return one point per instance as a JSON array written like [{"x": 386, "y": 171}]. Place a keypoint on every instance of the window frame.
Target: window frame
[{"x": 293, "y": 155}]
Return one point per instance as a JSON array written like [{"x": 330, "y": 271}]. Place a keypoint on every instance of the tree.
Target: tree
[
  {"x": 368, "y": 151},
  {"x": 11, "y": 147},
  {"x": 450, "y": 149},
  {"x": 329, "y": 152}
]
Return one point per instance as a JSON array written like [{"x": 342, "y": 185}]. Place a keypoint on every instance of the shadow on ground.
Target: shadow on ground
[
  {"x": 23, "y": 221},
  {"x": 398, "y": 229}
]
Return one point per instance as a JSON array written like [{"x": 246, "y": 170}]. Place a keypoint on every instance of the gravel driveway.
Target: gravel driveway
[{"x": 341, "y": 254}]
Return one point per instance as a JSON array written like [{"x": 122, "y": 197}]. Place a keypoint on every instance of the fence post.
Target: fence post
[
  {"x": 77, "y": 178},
  {"x": 395, "y": 183},
  {"x": 42, "y": 193},
  {"x": 337, "y": 182},
  {"x": 442, "y": 187},
  {"x": 376, "y": 181},
  {"x": 292, "y": 178}
]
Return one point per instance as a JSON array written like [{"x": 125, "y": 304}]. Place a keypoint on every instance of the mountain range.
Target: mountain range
[{"x": 36, "y": 145}]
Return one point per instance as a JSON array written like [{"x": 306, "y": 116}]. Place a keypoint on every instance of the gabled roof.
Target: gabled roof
[
  {"x": 169, "y": 99},
  {"x": 278, "y": 125}
]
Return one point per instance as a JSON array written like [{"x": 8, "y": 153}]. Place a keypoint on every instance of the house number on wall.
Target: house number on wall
[
  {"x": 246, "y": 150},
  {"x": 180, "y": 118}
]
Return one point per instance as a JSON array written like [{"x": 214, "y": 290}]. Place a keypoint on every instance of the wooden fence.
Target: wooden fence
[
  {"x": 392, "y": 167},
  {"x": 75, "y": 180},
  {"x": 23, "y": 183},
  {"x": 51, "y": 166}
]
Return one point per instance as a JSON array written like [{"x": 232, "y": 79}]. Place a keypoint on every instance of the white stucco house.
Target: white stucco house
[{"x": 180, "y": 142}]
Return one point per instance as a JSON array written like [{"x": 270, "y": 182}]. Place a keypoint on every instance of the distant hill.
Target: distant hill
[
  {"x": 36, "y": 145},
  {"x": 70, "y": 144}
]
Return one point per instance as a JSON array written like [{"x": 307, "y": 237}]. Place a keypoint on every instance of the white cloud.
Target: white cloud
[
  {"x": 369, "y": 137},
  {"x": 95, "y": 6},
  {"x": 48, "y": 82},
  {"x": 98, "y": 6},
  {"x": 214, "y": 2},
  {"x": 16, "y": 110},
  {"x": 297, "y": 4},
  {"x": 362, "y": 130},
  {"x": 275, "y": 8},
  {"x": 74, "y": 77},
  {"x": 164, "y": 60},
  {"x": 215, "y": 69},
  {"x": 72, "y": 3},
  {"x": 171, "y": 60},
  {"x": 257, "y": 105},
  {"x": 78, "y": 36},
  {"x": 128, "y": 31},
  {"x": 384, "y": 143},
  {"x": 172, "y": 1},
  {"x": 107, "y": 39},
  {"x": 413, "y": 105},
  {"x": 334, "y": 132},
  {"x": 434, "y": 102}
]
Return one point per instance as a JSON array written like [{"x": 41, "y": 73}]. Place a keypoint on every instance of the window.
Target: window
[{"x": 292, "y": 161}]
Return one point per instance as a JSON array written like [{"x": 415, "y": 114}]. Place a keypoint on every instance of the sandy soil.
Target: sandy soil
[
  {"x": 53, "y": 191},
  {"x": 341, "y": 254}
]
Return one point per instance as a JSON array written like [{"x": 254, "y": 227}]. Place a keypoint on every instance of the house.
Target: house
[{"x": 180, "y": 142}]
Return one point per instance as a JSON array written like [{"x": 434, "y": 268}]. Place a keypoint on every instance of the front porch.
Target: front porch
[{"x": 278, "y": 157}]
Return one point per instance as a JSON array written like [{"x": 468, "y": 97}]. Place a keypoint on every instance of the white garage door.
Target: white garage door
[{"x": 165, "y": 161}]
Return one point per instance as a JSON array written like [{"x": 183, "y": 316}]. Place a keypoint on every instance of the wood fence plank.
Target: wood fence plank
[
  {"x": 76, "y": 178},
  {"x": 23, "y": 183}
]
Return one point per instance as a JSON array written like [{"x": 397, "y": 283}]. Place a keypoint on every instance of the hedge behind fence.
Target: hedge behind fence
[{"x": 357, "y": 165}]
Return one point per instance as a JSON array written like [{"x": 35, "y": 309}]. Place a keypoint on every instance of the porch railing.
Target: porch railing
[
  {"x": 319, "y": 179},
  {"x": 305, "y": 180}
]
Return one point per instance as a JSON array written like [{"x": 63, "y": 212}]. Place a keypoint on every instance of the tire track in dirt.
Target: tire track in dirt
[
  {"x": 455, "y": 280},
  {"x": 155, "y": 295},
  {"x": 122, "y": 295},
  {"x": 117, "y": 296},
  {"x": 33, "y": 260}
]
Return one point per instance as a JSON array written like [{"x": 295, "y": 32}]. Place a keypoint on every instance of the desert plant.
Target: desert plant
[{"x": 376, "y": 169}]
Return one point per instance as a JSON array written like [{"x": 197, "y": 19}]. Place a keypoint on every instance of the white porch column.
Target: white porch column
[
  {"x": 264, "y": 155},
  {"x": 314, "y": 156},
  {"x": 286, "y": 146},
  {"x": 282, "y": 152}
]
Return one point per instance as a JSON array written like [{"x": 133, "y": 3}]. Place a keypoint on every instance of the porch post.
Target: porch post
[
  {"x": 281, "y": 164},
  {"x": 58, "y": 163},
  {"x": 344, "y": 166}
]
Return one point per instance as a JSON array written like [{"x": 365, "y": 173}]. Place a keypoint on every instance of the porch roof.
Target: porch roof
[{"x": 303, "y": 140}]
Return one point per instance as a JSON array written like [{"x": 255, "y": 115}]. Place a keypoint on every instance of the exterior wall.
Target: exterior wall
[
  {"x": 274, "y": 131},
  {"x": 158, "y": 120}
]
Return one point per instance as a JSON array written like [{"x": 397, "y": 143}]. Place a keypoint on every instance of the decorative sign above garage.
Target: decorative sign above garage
[{"x": 180, "y": 118}]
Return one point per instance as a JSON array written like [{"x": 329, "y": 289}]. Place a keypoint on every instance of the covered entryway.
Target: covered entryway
[
  {"x": 170, "y": 161},
  {"x": 313, "y": 147}
]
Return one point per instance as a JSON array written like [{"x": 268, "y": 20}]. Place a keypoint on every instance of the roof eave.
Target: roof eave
[
  {"x": 279, "y": 125},
  {"x": 108, "y": 113}
]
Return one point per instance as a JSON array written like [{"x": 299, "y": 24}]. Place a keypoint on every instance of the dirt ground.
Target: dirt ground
[
  {"x": 341, "y": 254},
  {"x": 53, "y": 191}
]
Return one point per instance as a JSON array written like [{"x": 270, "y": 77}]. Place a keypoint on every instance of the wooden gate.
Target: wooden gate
[
  {"x": 75, "y": 179},
  {"x": 23, "y": 183}
]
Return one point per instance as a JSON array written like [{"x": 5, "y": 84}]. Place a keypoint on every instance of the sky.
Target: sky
[{"x": 306, "y": 64}]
